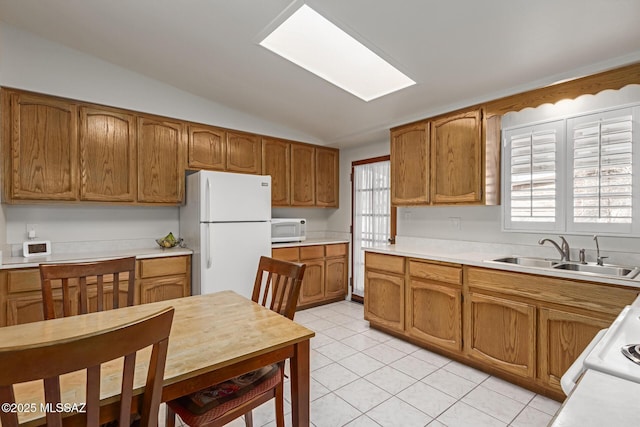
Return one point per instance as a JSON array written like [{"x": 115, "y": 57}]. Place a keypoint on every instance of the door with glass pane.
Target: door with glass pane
[{"x": 373, "y": 220}]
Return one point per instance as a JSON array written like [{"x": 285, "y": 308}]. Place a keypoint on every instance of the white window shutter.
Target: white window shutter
[
  {"x": 601, "y": 160},
  {"x": 532, "y": 185}
]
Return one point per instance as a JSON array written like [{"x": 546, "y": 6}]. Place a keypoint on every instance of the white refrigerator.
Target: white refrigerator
[{"x": 226, "y": 221}]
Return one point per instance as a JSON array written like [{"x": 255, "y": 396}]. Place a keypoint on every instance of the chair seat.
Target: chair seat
[{"x": 206, "y": 405}]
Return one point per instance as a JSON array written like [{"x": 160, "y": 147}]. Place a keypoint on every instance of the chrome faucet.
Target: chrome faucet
[
  {"x": 599, "y": 259},
  {"x": 565, "y": 251}
]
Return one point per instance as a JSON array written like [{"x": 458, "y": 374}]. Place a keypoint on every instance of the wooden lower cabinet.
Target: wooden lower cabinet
[
  {"x": 525, "y": 328},
  {"x": 312, "y": 290},
  {"x": 384, "y": 299},
  {"x": 433, "y": 309},
  {"x": 336, "y": 276},
  {"x": 326, "y": 275},
  {"x": 384, "y": 290},
  {"x": 563, "y": 336},
  {"x": 501, "y": 333},
  {"x": 158, "y": 279}
]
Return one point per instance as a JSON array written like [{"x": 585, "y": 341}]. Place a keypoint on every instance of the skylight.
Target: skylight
[{"x": 311, "y": 41}]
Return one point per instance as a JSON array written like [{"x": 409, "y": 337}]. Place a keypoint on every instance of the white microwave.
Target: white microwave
[{"x": 288, "y": 230}]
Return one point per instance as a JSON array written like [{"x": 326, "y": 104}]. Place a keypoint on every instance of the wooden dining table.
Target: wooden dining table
[{"x": 213, "y": 338}]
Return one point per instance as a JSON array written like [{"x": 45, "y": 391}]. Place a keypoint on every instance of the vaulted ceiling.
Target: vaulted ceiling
[{"x": 459, "y": 52}]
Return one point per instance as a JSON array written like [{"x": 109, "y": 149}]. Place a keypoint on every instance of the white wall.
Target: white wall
[{"x": 33, "y": 63}]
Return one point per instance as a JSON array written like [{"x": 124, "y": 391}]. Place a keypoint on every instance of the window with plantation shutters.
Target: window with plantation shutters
[
  {"x": 573, "y": 167},
  {"x": 601, "y": 155},
  {"x": 532, "y": 182}
]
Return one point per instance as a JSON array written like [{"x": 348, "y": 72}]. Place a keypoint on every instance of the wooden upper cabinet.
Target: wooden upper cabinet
[
  {"x": 276, "y": 161},
  {"x": 449, "y": 160},
  {"x": 244, "y": 152},
  {"x": 160, "y": 160},
  {"x": 410, "y": 165},
  {"x": 456, "y": 158},
  {"x": 302, "y": 175},
  {"x": 43, "y": 147},
  {"x": 327, "y": 177},
  {"x": 207, "y": 148},
  {"x": 107, "y": 155}
]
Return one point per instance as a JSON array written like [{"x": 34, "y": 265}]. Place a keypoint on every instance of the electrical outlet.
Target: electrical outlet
[
  {"x": 455, "y": 222},
  {"x": 32, "y": 231}
]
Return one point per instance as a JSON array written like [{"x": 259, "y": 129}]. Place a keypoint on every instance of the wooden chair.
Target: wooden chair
[
  {"x": 69, "y": 273},
  {"x": 276, "y": 287},
  {"x": 52, "y": 359}
]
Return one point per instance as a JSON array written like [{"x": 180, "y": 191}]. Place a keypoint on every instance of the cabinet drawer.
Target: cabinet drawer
[
  {"x": 311, "y": 252},
  {"x": 23, "y": 280},
  {"x": 336, "y": 250},
  {"x": 391, "y": 263},
  {"x": 163, "y": 266},
  {"x": 437, "y": 272},
  {"x": 285, "y": 254}
]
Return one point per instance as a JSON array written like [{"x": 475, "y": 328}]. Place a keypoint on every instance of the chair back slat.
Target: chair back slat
[
  {"x": 8, "y": 418},
  {"x": 127, "y": 386},
  {"x": 93, "y": 395},
  {"x": 277, "y": 285},
  {"x": 52, "y": 395},
  {"x": 52, "y": 359},
  {"x": 78, "y": 273}
]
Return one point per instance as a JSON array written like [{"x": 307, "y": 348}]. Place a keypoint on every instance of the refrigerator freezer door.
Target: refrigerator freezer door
[
  {"x": 234, "y": 197},
  {"x": 229, "y": 256}
]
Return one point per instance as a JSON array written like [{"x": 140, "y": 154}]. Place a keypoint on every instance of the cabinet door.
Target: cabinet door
[
  {"x": 384, "y": 299},
  {"x": 326, "y": 177},
  {"x": 456, "y": 159},
  {"x": 207, "y": 148},
  {"x": 410, "y": 165},
  {"x": 276, "y": 162},
  {"x": 161, "y": 289},
  {"x": 27, "y": 307},
  {"x": 336, "y": 277},
  {"x": 312, "y": 289},
  {"x": 107, "y": 155},
  {"x": 434, "y": 314},
  {"x": 302, "y": 176},
  {"x": 501, "y": 333},
  {"x": 563, "y": 336},
  {"x": 244, "y": 152},
  {"x": 160, "y": 161},
  {"x": 44, "y": 148}
]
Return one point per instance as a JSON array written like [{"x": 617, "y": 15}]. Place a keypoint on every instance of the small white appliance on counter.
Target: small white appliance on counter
[
  {"x": 226, "y": 221},
  {"x": 288, "y": 230},
  {"x": 31, "y": 248}
]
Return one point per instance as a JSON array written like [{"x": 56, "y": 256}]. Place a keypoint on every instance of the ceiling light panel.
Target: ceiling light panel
[{"x": 314, "y": 43}]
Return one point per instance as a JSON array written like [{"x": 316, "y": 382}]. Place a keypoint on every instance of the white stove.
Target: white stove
[
  {"x": 610, "y": 351},
  {"x": 607, "y": 355}
]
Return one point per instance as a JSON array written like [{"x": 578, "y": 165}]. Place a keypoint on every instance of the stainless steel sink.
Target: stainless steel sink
[
  {"x": 592, "y": 268},
  {"x": 606, "y": 269},
  {"x": 528, "y": 261}
]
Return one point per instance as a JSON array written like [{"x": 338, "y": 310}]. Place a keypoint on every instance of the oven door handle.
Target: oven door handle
[{"x": 570, "y": 378}]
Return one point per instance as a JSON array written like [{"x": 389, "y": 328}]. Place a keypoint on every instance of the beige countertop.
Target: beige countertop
[
  {"x": 21, "y": 262},
  {"x": 457, "y": 255}
]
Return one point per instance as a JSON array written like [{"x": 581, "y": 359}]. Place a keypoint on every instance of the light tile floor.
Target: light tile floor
[{"x": 361, "y": 377}]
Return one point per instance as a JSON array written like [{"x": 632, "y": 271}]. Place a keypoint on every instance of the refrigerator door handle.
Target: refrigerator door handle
[
  {"x": 207, "y": 200},
  {"x": 207, "y": 239}
]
